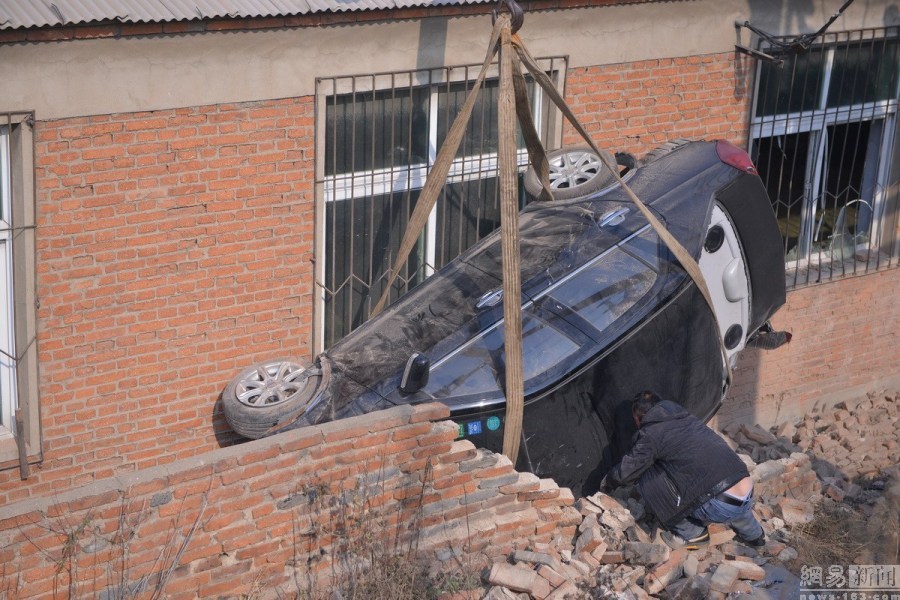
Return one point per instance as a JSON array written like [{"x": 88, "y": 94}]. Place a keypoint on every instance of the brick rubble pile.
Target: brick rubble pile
[{"x": 844, "y": 454}]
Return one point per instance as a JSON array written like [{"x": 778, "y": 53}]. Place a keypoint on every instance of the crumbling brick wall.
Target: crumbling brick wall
[{"x": 259, "y": 508}]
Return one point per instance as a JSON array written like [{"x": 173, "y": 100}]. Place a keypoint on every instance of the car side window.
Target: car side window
[
  {"x": 599, "y": 293},
  {"x": 607, "y": 287},
  {"x": 477, "y": 367}
]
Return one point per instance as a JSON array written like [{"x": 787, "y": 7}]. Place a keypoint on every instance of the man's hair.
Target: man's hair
[{"x": 642, "y": 402}]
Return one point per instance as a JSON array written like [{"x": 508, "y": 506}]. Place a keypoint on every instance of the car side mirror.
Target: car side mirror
[{"x": 415, "y": 374}]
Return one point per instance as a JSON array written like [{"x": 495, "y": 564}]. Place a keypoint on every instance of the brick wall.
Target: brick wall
[
  {"x": 845, "y": 344},
  {"x": 258, "y": 508},
  {"x": 173, "y": 248},
  {"x": 638, "y": 106}
]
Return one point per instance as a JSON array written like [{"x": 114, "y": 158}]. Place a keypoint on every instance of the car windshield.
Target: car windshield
[{"x": 560, "y": 327}]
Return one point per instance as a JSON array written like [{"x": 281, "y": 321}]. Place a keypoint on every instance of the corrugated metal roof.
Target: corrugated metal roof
[{"x": 42, "y": 13}]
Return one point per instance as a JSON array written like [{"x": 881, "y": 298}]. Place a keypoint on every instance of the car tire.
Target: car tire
[
  {"x": 263, "y": 395},
  {"x": 665, "y": 149},
  {"x": 575, "y": 172}
]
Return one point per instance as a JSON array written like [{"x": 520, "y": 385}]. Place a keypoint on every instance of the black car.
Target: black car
[{"x": 606, "y": 312}]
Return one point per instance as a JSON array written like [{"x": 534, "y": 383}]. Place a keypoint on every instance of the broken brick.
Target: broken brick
[
  {"x": 724, "y": 578},
  {"x": 719, "y": 534},
  {"x": 665, "y": 573},
  {"x": 515, "y": 577},
  {"x": 590, "y": 539},
  {"x": 795, "y": 512},
  {"x": 747, "y": 569}
]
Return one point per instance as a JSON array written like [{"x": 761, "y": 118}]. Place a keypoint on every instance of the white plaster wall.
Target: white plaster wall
[{"x": 87, "y": 77}]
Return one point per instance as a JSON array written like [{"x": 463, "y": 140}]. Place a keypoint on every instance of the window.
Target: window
[
  {"x": 823, "y": 134},
  {"x": 378, "y": 138},
  {"x": 18, "y": 351}
]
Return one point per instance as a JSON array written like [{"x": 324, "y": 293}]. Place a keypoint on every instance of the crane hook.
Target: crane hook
[{"x": 516, "y": 14}]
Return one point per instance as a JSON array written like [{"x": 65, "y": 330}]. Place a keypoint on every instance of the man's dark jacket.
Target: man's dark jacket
[{"x": 678, "y": 461}]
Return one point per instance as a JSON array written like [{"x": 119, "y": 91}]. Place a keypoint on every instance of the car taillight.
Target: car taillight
[{"x": 734, "y": 156}]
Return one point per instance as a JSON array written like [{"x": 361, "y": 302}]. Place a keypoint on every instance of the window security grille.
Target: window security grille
[
  {"x": 378, "y": 139},
  {"x": 823, "y": 135}
]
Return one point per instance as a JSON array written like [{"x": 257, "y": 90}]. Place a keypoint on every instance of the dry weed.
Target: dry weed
[{"x": 837, "y": 535}]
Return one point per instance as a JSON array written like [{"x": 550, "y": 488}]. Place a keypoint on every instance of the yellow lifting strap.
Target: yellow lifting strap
[
  {"x": 684, "y": 257},
  {"x": 513, "y": 101},
  {"x": 509, "y": 243}
]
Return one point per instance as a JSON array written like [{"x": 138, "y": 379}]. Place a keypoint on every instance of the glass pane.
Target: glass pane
[
  {"x": 362, "y": 238},
  {"x": 608, "y": 287},
  {"x": 4, "y": 173},
  {"x": 478, "y": 368},
  {"x": 376, "y": 130},
  {"x": 794, "y": 87},
  {"x": 481, "y": 132},
  {"x": 843, "y": 215},
  {"x": 864, "y": 72},
  {"x": 466, "y": 213},
  {"x": 645, "y": 247},
  {"x": 782, "y": 165},
  {"x": 7, "y": 365}
]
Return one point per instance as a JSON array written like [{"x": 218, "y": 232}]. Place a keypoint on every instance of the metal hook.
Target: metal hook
[{"x": 516, "y": 14}]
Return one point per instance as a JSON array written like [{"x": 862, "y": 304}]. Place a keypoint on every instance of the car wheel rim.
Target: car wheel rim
[
  {"x": 573, "y": 169},
  {"x": 272, "y": 383}
]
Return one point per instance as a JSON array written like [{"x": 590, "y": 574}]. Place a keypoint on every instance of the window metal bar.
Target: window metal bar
[
  {"x": 369, "y": 214},
  {"x": 882, "y": 171},
  {"x": 851, "y": 131},
  {"x": 367, "y": 115},
  {"x": 853, "y": 170}
]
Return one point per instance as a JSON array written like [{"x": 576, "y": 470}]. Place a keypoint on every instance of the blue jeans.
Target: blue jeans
[{"x": 740, "y": 518}]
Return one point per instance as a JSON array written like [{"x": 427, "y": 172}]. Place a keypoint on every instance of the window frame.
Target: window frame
[
  {"x": 20, "y": 375},
  {"x": 8, "y": 401},
  {"x": 407, "y": 177},
  {"x": 818, "y": 123}
]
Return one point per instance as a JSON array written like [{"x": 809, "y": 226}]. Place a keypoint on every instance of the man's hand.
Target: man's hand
[{"x": 607, "y": 485}]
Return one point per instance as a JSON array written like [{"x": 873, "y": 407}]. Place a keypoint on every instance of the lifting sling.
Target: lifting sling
[{"x": 513, "y": 102}]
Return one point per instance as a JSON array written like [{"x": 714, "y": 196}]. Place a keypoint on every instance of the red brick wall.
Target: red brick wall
[
  {"x": 395, "y": 473},
  {"x": 173, "y": 248},
  {"x": 845, "y": 343},
  {"x": 638, "y": 106}
]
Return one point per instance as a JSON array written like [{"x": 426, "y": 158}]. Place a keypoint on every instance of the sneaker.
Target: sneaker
[
  {"x": 675, "y": 542},
  {"x": 756, "y": 543}
]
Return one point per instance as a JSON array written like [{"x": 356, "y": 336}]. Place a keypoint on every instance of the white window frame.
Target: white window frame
[
  {"x": 8, "y": 399},
  {"x": 19, "y": 390}
]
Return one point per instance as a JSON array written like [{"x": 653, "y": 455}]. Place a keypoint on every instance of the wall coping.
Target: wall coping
[{"x": 381, "y": 420}]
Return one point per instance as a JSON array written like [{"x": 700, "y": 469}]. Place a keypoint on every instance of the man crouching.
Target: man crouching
[{"x": 686, "y": 474}]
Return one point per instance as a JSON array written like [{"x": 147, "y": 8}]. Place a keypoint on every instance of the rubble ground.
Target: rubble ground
[{"x": 827, "y": 491}]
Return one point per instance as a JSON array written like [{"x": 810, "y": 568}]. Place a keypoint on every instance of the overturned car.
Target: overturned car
[{"x": 606, "y": 312}]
